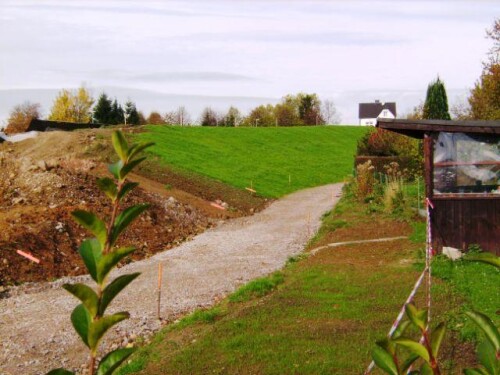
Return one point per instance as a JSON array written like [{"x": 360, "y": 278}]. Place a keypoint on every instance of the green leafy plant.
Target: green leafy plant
[
  {"x": 100, "y": 256},
  {"x": 386, "y": 353},
  {"x": 488, "y": 351}
]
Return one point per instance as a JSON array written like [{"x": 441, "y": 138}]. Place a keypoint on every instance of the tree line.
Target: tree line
[
  {"x": 302, "y": 109},
  {"x": 78, "y": 106}
]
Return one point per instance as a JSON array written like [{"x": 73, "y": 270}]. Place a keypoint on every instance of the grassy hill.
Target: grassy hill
[{"x": 274, "y": 161}]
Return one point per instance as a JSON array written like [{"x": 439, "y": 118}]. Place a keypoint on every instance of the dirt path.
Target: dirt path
[{"x": 35, "y": 331}]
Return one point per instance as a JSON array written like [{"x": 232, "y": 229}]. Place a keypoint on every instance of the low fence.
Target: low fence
[{"x": 44, "y": 125}]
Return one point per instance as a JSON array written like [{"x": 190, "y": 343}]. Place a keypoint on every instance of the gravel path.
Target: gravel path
[{"x": 35, "y": 331}]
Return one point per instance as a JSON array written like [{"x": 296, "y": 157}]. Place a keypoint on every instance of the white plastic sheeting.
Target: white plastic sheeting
[
  {"x": 466, "y": 163},
  {"x": 18, "y": 137}
]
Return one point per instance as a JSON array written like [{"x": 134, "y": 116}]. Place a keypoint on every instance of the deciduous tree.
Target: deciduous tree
[
  {"x": 20, "y": 117},
  {"x": 262, "y": 115},
  {"x": 484, "y": 98},
  {"x": 233, "y": 117},
  {"x": 286, "y": 114},
  {"x": 417, "y": 113},
  {"x": 329, "y": 113},
  {"x": 178, "y": 117},
  {"x": 155, "y": 119},
  {"x": 209, "y": 117},
  {"x": 72, "y": 106}
]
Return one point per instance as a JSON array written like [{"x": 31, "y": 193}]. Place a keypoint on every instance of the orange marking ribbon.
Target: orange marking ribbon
[
  {"x": 29, "y": 256},
  {"x": 217, "y": 206}
]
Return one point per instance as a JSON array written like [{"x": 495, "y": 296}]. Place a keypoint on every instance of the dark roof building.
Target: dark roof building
[
  {"x": 45, "y": 125},
  {"x": 370, "y": 112}
]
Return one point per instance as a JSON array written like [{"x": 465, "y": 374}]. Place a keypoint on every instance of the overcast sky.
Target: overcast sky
[{"x": 163, "y": 53}]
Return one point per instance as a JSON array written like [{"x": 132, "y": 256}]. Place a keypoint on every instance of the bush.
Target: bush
[{"x": 379, "y": 142}]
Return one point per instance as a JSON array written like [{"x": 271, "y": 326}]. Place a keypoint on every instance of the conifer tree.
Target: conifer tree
[
  {"x": 436, "y": 102},
  {"x": 117, "y": 116},
  {"x": 131, "y": 113},
  {"x": 102, "y": 110}
]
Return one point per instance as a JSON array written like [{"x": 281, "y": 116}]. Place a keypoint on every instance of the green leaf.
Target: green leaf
[
  {"x": 127, "y": 168},
  {"x": 436, "y": 338},
  {"x": 91, "y": 222},
  {"x": 60, "y": 371},
  {"x": 81, "y": 320},
  {"x": 91, "y": 252},
  {"x": 475, "y": 371},
  {"x": 125, "y": 218},
  {"x": 86, "y": 295},
  {"x": 487, "y": 357},
  {"x": 126, "y": 188},
  {"x": 120, "y": 145},
  {"x": 487, "y": 258},
  {"x": 425, "y": 369},
  {"x": 401, "y": 329},
  {"x": 98, "y": 328},
  {"x": 408, "y": 362},
  {"x": 110, "y": 260},
  {"x": 115, "y": 169},
  {"x": 108, "y": 186},
  {"x": 387, "y": 345},
  {"x": 417, "y": 317},
  {"x": 414, "y": 347},
  {"x": 136, "y": 148},
  {"x": 487, "y": 326},
  {"x": 115, "y": 287},
  {"x": 113, "y": 360},
  {"x": 383, "y": 359}
]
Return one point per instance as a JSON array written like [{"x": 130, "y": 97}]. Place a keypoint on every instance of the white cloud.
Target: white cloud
[{"x": 245, "y": 48}]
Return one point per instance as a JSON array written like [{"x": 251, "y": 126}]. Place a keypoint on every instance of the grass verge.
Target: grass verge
[
  {"x": 274, "y": 161},
  {"x": 322, "y": 314}
]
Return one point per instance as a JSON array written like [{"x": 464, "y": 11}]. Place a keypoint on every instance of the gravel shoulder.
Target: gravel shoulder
[{"x": 35, "y": 331}]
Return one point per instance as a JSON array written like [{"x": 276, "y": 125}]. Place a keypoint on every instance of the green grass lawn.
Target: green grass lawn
[
  {"x": 322, "y": 314},
  {"x": 275, "y": 161}
]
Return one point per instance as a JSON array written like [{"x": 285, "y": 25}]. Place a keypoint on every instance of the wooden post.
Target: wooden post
[
  {"x": 428, "y": 163},
  {"x": 160, "y": 274}
]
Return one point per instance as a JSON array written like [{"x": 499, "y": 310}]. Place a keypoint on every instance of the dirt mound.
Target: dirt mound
[
  {"x": 36, "y": 206},
  {"x": 43, "y": 179}
]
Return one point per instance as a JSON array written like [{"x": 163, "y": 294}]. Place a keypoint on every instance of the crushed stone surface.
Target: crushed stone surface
[{"x": 35, "y": 330}]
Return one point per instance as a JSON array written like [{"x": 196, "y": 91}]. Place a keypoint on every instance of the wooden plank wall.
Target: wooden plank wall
[{"x": 459, "y": 223}]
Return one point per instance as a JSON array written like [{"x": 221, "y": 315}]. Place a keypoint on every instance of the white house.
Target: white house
[{"x": 370, "y": 112}]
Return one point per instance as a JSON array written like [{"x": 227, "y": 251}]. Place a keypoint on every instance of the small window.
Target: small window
[{"x": 466, "y": 164}]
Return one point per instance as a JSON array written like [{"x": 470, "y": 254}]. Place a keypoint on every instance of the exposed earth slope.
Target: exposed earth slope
[{"x": 35, "y": 328}]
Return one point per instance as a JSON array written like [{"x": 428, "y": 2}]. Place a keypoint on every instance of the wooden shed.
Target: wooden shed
[{"x": 462, "y": 178}]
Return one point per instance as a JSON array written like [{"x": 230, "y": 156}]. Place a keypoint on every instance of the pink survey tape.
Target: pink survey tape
[
  {"x": 28, "y": 256},
  {"x": 217, "y": 206},
  {"x": 401, "y": 314}
]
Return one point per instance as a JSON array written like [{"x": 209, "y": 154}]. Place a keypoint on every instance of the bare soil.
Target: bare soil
[{"x": 43, "y": 179}]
